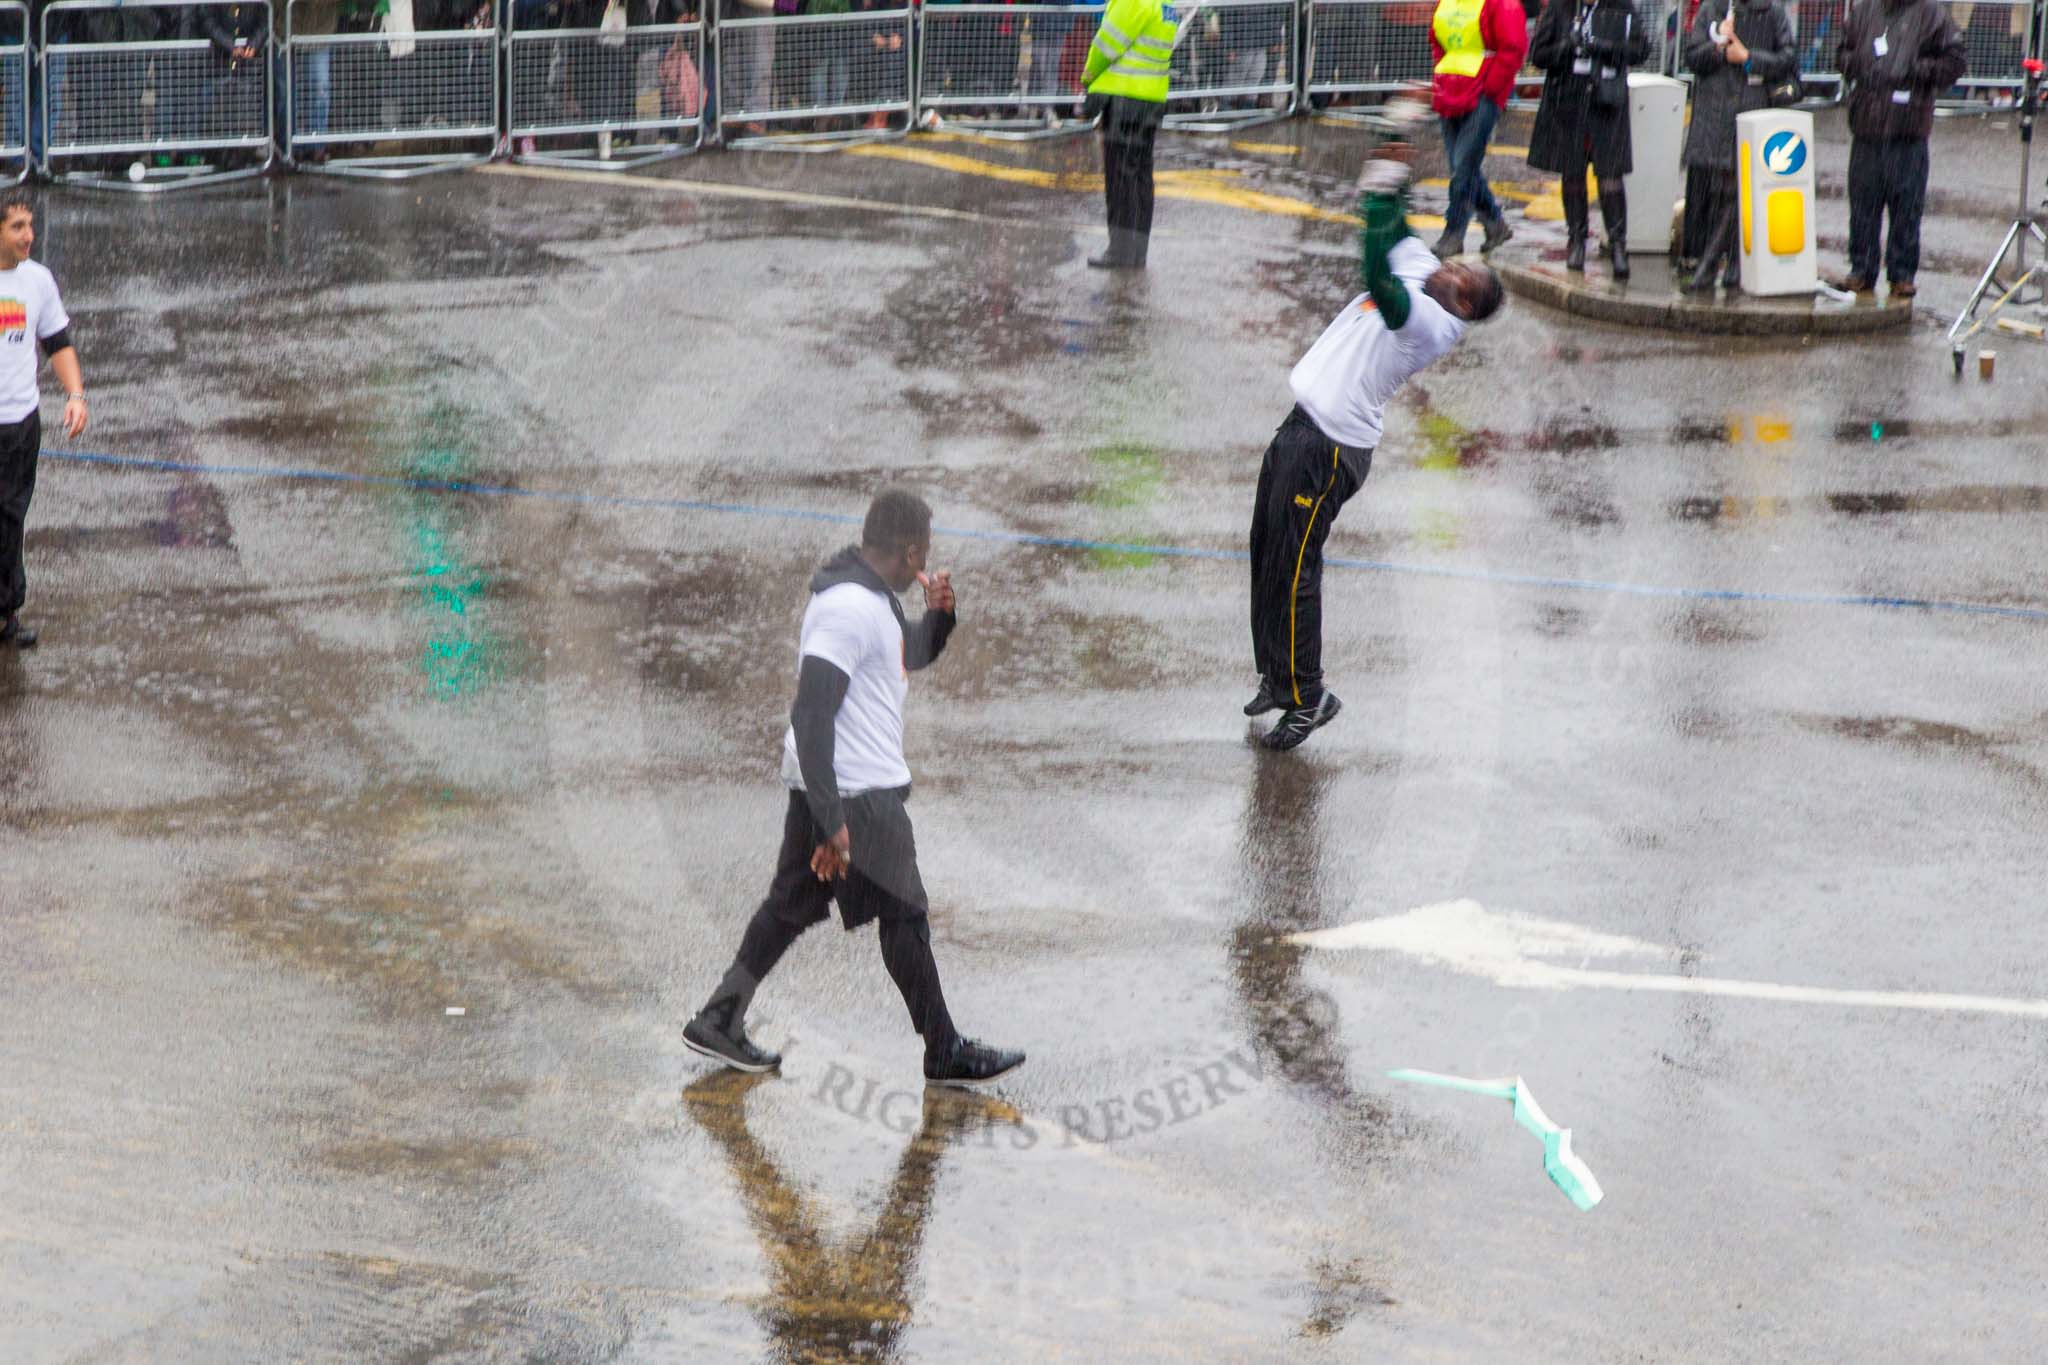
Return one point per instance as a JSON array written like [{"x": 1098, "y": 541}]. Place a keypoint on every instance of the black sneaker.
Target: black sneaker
[
  {"x": 1296, "y": 722},
  {"x": 16, "y": 634},
  {"x": 730, "y": 1046},
  {"x": 1262, "y": 701},
  {"x": 971, "y": 1063}
]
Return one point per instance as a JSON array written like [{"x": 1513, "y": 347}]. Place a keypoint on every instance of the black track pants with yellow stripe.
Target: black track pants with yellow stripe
[{"x": 1302, "y": 484}]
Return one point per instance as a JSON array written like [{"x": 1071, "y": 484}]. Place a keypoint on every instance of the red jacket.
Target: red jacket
[{"x": 1506, "y": 31}]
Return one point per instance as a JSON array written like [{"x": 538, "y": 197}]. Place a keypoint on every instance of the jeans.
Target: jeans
[
  {"x": 830, "y": 72},
  {"x": 319, "y": 91},
  {"x": 1465, "y": 139},
  {"x": 1048, "y": 42}
]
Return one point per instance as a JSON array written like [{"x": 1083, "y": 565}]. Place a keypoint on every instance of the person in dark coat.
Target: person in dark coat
[
  {"x": 1585, "y": 48},
  {"x": 1896, "y": 57},
  {"x": 1736, "y": 53}
]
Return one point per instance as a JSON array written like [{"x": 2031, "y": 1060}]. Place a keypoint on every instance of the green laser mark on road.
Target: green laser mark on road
[
  {"x": 1129, "y": 478},
  {"x": 459, "y": 657}
]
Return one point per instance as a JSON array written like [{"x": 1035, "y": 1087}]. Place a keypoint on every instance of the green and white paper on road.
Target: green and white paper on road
[{"x": 1560, "y": 1162}]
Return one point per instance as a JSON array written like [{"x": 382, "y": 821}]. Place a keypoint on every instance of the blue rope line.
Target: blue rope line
[{"x": 613, "y": 500}]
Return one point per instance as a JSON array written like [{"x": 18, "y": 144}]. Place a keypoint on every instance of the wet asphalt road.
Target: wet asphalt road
[{"x": 305, "y": 763}]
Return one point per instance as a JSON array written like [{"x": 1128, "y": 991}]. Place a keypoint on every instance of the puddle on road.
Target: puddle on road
[
  {"x": 1922, "y": 736},
  {"x": 1972, "y": 498},
  {"x": 1969, "y": 499},
  {"x": 447, "y": 1161}
]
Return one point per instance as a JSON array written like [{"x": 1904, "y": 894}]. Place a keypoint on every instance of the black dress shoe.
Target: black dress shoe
[{"x": 16, "y": 634}]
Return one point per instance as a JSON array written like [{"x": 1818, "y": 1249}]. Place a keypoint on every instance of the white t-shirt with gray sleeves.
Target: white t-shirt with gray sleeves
[
  {"x": 1357, "y": 365},
  {"x": 29, "y": 311},
  {"x": 853, "y": 628}
]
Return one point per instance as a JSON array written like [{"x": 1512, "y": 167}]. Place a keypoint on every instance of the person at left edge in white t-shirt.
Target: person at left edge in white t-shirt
[
  {"x": 32, "y": 318},
  {"x": 1414, "y": 310},
  {"x": 846, "y": 835}
]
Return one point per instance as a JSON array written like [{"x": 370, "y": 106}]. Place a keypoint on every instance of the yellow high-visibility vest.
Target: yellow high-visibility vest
[
  {"x": 1457, "y": 32},
  {"x": 1132, "y": 51}
]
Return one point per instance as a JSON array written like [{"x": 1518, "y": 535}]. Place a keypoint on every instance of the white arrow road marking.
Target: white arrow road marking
[{"x": 1507, "y": 949}]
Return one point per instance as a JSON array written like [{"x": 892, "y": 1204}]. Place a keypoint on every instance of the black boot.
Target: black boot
[
  {"x": 1574, "y": 196},
  {"x": 13, "y": 632},
  {"x": 1614, "y": 216},
  {"x": 1126, "y": 251}
]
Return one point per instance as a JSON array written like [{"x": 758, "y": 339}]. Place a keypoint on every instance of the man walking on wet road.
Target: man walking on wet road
[
  {"x": 31, "y": 315},
  {"x": 1413, "y": 310},
  {"x": 846, "y": 835}
]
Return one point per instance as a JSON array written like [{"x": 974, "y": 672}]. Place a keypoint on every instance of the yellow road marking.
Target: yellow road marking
[
  {"x": 1507, "y": 151},
  {"x": 1267, "y": 148},
  {"x": 1209, "y": 187},
  {"x": 1206, "y": 187}
]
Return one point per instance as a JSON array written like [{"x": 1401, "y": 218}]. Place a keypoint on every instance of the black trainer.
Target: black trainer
[
  {"x": 16, "y": 634},
  {"x": 971, "y": 1063},
  {"x": 728, "y": 1045},
  {"x": 1262, "y": 701},
  {"x": 1296, "y": 723}
]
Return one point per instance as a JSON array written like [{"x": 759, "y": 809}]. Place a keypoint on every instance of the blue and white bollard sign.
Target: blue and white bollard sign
[{"x": 1774, "y": 158}]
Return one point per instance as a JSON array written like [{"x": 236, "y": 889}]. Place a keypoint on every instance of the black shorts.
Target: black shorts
[{"x": 883, "y": 882}]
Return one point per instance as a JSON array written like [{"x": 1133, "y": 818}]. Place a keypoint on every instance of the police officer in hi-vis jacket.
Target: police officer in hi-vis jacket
[{"x": 1126, "y": 78}]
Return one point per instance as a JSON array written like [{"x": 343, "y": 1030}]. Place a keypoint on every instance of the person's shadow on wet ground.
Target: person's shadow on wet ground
[{"x": 851, "y": 1298}]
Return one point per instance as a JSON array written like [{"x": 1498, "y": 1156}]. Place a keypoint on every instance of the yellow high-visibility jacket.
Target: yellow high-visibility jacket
[{"x": 1132, "y": 51}]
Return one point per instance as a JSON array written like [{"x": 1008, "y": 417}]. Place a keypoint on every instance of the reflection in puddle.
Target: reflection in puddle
[{"x": 836, "y": 1299}]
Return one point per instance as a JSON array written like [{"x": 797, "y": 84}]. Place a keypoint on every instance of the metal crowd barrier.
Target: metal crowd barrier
[
  {"x": 1014, "y": 69},
  {"x": 1366, "y": 47},
  {"x": 423, "y": 94},
  {"x": 15, "y": 73},
  {"x": 1236, "y": 68},
  {"x": 846, "y": 75},
  {"x": 129, "y": 101},
  {"x": 2000, "y": 34},
  {"x": 618, "y": 98}
]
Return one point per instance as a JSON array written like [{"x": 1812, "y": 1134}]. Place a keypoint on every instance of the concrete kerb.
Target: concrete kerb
[{"x": 1651, "y": 299}]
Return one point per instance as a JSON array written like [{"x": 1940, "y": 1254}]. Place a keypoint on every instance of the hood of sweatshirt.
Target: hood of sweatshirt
[{"x": 848, "y": 566}]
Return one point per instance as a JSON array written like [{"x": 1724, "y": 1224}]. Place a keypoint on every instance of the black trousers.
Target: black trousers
[
  {"x": 1129, "y": 128},
  {"x": 797, "y": 900},
  {"x": 1886, "y": 175},
  {"x": 20, "y": 444},
  {"x": 1305, "y": 480},
  {"x": 1721, "y": 212}
]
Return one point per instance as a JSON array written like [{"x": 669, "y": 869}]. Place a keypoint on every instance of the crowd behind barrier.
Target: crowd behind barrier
[{"x": 153, "y": 95}]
